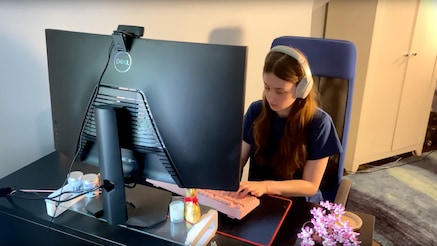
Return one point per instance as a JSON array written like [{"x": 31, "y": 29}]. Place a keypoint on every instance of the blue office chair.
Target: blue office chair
[{"x": 333, "y": 65}]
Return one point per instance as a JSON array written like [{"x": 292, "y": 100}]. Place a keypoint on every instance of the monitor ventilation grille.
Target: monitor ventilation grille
[{"x": 143, "y": 134}]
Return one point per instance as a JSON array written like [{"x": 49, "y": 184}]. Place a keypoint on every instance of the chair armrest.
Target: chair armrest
[{"x": 343, "y": 191}]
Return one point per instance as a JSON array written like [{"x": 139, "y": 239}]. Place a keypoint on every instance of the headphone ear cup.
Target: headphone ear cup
[{"x": 302, "y": 88}]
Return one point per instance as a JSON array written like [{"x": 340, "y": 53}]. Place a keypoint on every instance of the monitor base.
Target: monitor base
[{"x": 146, "y": 206}]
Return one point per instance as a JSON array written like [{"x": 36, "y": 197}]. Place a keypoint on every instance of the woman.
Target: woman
[{"x": 286, "y": 135}]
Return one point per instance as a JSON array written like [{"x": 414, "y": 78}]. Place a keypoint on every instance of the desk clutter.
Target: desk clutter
[
  {"x": 276, "y": 221},
  {"x": 78, "y": 186},
  {"x": 249, "y": 219},
  {"x": 199, "y": 229},
  {"x": 193, "y": 218},
  {"x": 223, "y": 201}
]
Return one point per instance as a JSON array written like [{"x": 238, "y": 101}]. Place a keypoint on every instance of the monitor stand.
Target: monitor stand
[{"x": 146, "y": 206}]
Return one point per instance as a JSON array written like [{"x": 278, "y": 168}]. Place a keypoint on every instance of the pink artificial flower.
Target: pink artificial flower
[{"x": 327, "y": 228}]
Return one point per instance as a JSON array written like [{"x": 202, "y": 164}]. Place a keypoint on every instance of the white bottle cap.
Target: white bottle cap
[
  {"x": 75, "y": 180},
  {"x": 90, "y": 181}
]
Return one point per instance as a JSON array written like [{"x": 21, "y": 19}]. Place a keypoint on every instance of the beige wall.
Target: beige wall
[{"x": 25, "y": 122}]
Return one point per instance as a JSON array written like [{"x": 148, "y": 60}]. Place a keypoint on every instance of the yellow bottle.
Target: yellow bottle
[{"x": 192, "y": 208}]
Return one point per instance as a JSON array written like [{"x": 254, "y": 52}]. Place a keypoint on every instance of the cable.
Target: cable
[
  {"x": 396, "y": 163},
  {"x": 375, "y": 168},
  {"x": 16, "y": 194},
  {"x": 37, "y": 191}
]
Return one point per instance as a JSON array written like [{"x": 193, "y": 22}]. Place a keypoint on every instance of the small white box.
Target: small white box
[{"x": 55, "y": 208}]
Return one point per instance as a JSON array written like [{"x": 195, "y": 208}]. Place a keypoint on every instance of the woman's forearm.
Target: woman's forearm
[{"x": 290, "y": 188}]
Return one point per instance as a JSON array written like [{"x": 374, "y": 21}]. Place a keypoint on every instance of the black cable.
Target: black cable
[
  {"x": 85, "y": 121},
  {"x": 15, "y": 194}
]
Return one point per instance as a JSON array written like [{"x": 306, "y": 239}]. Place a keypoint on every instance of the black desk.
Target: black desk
[{"x": 26, "y": 221}]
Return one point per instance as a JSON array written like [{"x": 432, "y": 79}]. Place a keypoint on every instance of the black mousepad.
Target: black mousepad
[{"x": 261, "y": 225}]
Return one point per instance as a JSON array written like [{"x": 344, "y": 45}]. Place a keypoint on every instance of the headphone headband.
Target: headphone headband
[{"x": 304, "y": 86}]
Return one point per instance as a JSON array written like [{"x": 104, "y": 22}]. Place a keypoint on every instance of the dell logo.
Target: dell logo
[{"x": 122, "y": 62}]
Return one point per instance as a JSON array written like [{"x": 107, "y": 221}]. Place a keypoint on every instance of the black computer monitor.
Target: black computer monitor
[{"x": 178, "y": 106}]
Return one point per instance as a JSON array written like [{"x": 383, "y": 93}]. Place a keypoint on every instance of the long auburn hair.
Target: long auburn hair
[{"x": 291, "y": 154}]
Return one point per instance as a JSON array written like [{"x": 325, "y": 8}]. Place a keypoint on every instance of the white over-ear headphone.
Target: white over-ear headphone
[{"x": 304, "y": 86}]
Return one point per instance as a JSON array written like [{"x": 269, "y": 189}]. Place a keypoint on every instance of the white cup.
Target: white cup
[
  {"x": 89, "y": 182},
  {"x": 75, "y": 180},
  {"x": 176, "y": 211}
]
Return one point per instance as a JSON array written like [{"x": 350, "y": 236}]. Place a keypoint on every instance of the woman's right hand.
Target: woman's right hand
[{"x": 254, "y": 188}]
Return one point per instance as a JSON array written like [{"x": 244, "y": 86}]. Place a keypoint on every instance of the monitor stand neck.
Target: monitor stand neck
[
  {"x": 110, "y": 165},
  {"x": 144, "y": 206}
]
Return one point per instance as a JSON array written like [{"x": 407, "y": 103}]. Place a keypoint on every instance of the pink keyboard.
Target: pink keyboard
[{"x": 226, "y": 202}]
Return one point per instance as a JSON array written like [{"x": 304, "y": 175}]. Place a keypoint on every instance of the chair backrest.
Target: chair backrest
[{"x": 332, "y": 64}]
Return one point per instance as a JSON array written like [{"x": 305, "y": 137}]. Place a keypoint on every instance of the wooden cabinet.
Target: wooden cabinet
[{"x": 395, "y": 78}]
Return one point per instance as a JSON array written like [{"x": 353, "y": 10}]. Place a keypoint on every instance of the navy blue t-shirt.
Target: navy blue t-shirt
[{"x": 322, "y": 139}]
